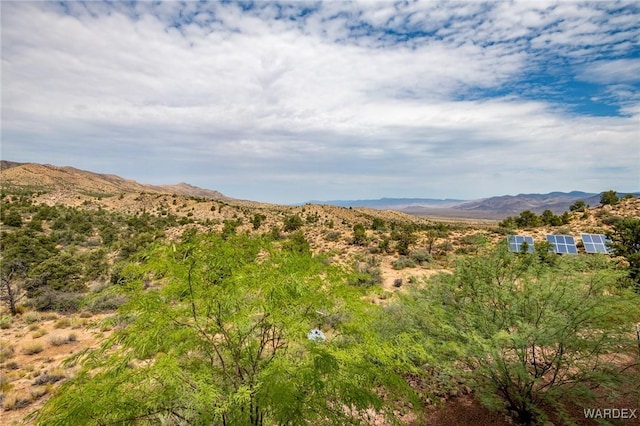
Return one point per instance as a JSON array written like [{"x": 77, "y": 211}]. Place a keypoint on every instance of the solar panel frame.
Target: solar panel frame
[
  {"x": 595, "y": 243},
  {"x": 562, "y": 244},
  {"x": 515, "y": 243}
]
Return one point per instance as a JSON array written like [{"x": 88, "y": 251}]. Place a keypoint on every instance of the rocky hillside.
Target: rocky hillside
[{"x": 47, "y": 178}]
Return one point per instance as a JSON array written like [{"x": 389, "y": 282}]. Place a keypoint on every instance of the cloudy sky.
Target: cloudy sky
[{"x": 292, "y": 101}]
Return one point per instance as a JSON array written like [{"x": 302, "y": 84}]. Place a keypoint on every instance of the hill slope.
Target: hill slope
[{"x": 46, "y": 177}]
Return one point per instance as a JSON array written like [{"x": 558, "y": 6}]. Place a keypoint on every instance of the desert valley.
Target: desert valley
[{"x": 136, "y": 304}]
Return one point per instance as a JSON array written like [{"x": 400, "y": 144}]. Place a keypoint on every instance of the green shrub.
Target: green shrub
[
  {"x": 332, "y": 236},
  {"x": 292, "y": 223},
  {"x": 609, "y": 198},
  {"x": 31, "y": 317},
  {"x": 403, "y": 262},
  {"x": 420, "y": 257},
  {"x": 532, "y": 335},
  {"x": 5, "y": 322}
]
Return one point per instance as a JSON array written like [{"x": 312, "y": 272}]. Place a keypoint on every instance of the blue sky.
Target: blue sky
[{"x": 286, "y": 102}]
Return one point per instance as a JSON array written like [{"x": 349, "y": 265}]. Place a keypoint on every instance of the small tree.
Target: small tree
[
  {"x": 548, "y": 218},
  {"x": 609, "y": 198},
  {"x": 10, "y": 276},
  {"x": 578, "y": 206},
  {"x": 404, "y": 237},
  {"x": 292, "y": 223},
  {"x": 625, "y": 242},
  {"x": 527, "y": 219},
  {"x": 13, "y": 218},
  {"x": 224, "y": 342},
  {"x": 532, "y": 336},
  {"x": 359, "y": 234},
  {"x": 257, "y": 220}
]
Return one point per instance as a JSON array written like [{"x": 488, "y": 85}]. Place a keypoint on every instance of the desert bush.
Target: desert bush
[
  {"x": 5, "y": 322},
  {"x": 16, "y": 402},
  {"x": 38, "y": 333},
  {"x": 384, "y": 245},
  {"x": 58, "y": 340},
  {"x": 105, "y": 302},
  {"x": 62, "y": 323},
  {"x": 378, "y": 224},
  {"x": 366, "y": 274},
  {"x": 6, "y": 350},
  {"x": 292, "y": 223},
  {"x": 332, "y": 236},
  {"x": 359, "y": 234},
  {"x": 297, "y": 243},
  {"x": 5, "y": 385},
  {"x": 403, "y": 262},
  {"x": 38, "y": 392},
  {"x": 12, "y": 365},
  {"x": 257, "y": 220},
  {"x": 404, "y": 237},
  {"x": 59, "y": 301},
  {"x": 420, "y": 257},
  {"x": 32, "y": 317},
  {"x": 32, "y": 348},
  {"x": 12, "y": 218},
  {"x": 45, "y": 379}
]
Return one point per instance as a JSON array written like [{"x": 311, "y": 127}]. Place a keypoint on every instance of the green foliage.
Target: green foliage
[
  {"x": 508, "y": 222},
  {"x": 625, "y": 241},
  {"x": 297, "y": 243},
  {"x": 531, "y": 335},
  {"x": 12, "y": 218},
  {"x": 292, "y": 223},
  {"x": 257, "y": 220},
  {"x": 609, "y": 198},
  {"x": 578, "y": 206},
  {"x": 366, "y": 273},
  {"x": 359, "y": 234},
  {"x": 527, "y": 219},
  {"x": 224, "y": 341},
  {"x": 404, "y": 237},
  {"x": 229, "y": 227},
  {"x": 403, "y": 262},
  {"x": 378, "y": 224},
  {"x": 548, "y": 218}
]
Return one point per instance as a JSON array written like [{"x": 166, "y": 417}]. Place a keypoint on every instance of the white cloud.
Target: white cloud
[{"x": 239, "y": 95}]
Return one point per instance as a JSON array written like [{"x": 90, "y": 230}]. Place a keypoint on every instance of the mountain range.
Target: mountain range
[
  {"x": 485, "y": 208},
  {"x": 46, "y": 176}
]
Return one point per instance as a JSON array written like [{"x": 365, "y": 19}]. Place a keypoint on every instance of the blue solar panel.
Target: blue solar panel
[
  {"x": 595, "y": 243},
  {"x": 562, "y": 244},
  {"x": 517, "y": 241}
]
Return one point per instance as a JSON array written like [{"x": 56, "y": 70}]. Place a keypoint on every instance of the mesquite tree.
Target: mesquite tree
[{"x": 218, "y": 335}]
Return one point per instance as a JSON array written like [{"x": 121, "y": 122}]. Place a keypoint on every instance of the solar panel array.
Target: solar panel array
[
  {"x": 595, "y": 243},
  {"x": 517, "y": 241},
  {"x": 563, "y": 244}
]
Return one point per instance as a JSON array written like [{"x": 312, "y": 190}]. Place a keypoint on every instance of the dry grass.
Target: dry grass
[
  {"x": 6, "y": 350},
  {"x": 31, "y": 317},
  {"x": 39, "y": 332},
  {"x": 32, "y": 348}
]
